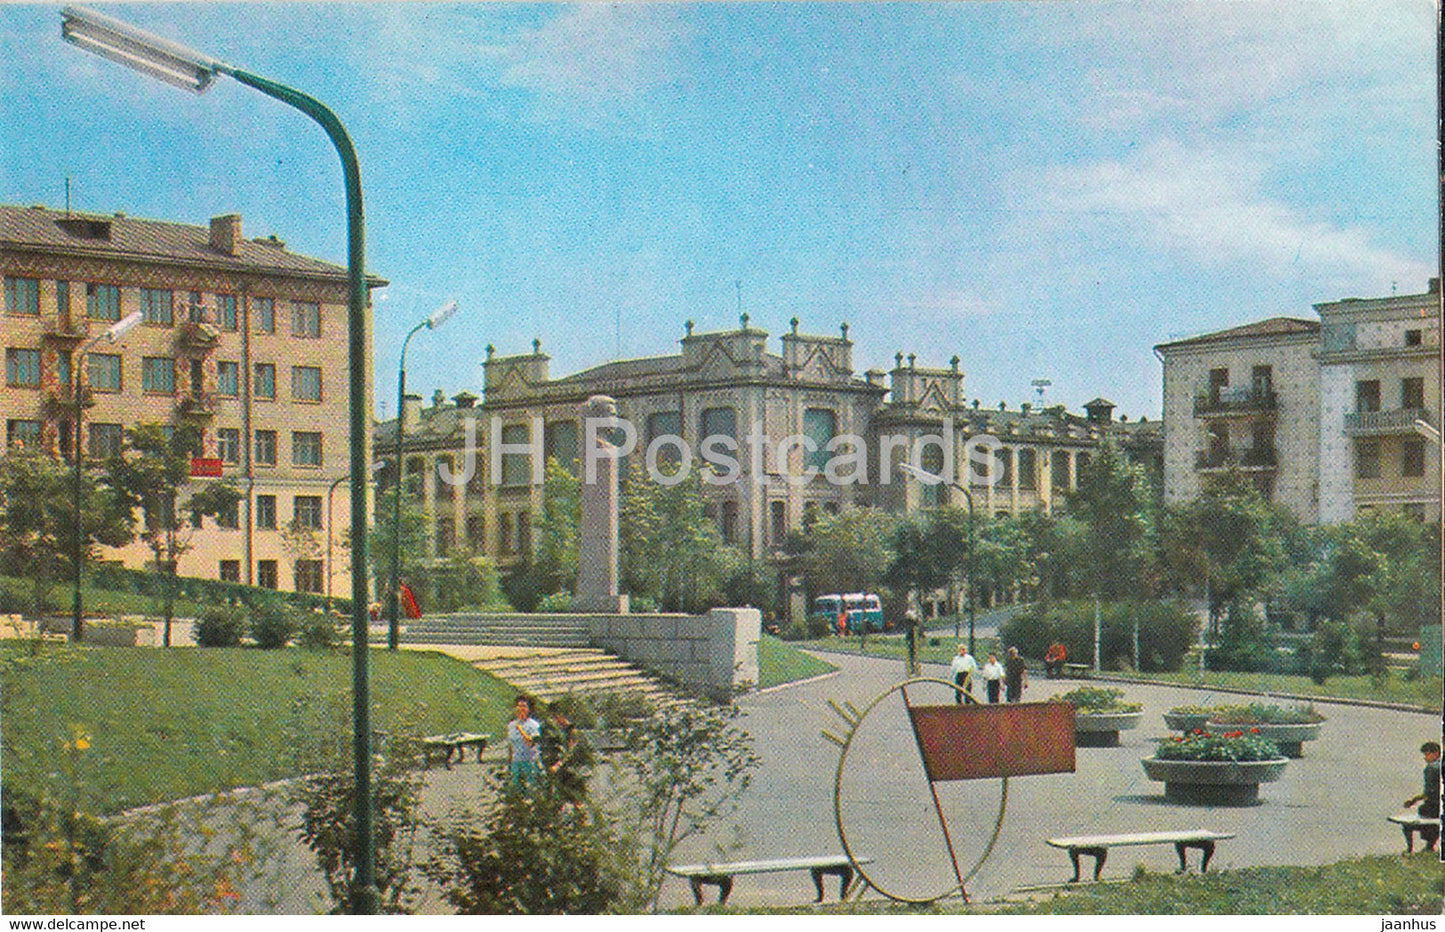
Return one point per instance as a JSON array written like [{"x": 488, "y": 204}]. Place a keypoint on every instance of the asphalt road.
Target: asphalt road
[{"x": 1330, "y": 805}]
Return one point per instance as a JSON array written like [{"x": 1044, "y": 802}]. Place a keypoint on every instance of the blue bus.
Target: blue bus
[{"x": 861, "y": 610}]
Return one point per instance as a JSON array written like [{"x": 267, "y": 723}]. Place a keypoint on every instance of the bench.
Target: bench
[
  {"x": 1075, "y": 671},
  {"x": 1427, "y": 826},
  {"x": 444, "y": 746},
  {"x": 1097, "y": 846},
  {"x": 721, "y": 875}
]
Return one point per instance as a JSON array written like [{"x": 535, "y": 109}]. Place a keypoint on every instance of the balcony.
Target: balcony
[
  {"x": 1241, "y": 401},
  {"x": 63, "y": 330},
  {"x": 197, "y": 337},
  {"x": 60, "y": 402},
  {"x": 1252, "y": 459},
  {"x": 201, "y": 405},
  {"x": 1385, "y": 423}
]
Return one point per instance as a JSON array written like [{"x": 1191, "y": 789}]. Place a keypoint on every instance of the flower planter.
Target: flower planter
[
  {"x": 1185, "y": 721},
  {"x": 1101, "y": 729},
  {"x": 1288, "y": 738},
  {"x": 1213, "y": 783}
]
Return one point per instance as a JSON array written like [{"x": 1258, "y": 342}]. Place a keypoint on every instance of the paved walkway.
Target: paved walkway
[{"x": 1330, "y": 805}]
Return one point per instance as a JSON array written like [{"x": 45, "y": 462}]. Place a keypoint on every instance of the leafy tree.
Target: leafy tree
[
  {"x": 38, "y": 525},
  {"x": 671, "y": 551},
  {"x": 1116, "y": 503},
  {"x": 415, "y": 542},
  {"x": 849, "y": 551},
  {"x": 1001, "y": 555},
  {"x": 154, "y": 472}
]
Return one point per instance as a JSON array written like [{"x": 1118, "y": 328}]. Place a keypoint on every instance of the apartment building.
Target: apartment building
[
  {"x": 240, "y": 337},
  {"x": 725, "y": 383},
  {"x": 1331, "y": 417}
]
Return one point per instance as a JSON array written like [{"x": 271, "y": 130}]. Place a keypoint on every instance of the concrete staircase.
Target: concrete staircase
[
  {"x": 551, "y": 673},
  {"x": 514, "y": 630}
]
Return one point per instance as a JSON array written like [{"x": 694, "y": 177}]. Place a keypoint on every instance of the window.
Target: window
[
  {"x": 778, "y": 518},
  {"x": 195, "y": 313},
  {"x": 1412, "y": 393},
  {"x": 22, "y": 433},
  {"x": 1412, "y": 458},
  {"x": 102, "y": 372},
  {"x": 265, "y": 448},
  {"x": 1028, "y": 469},
  {"x": 718, "y": 422},
  {"x": 106, "y": 440},
  {"x": 305, "y": 448},
  {"x": 22, "y": 296},
  {"x": 228, "y": 378},
  {"x": 62, "y": 367},
  {"x": 266, "y": 512},
  {"x": 1003, "y": 462},
  {"x": 665, "y": 424},
  {"x": 228, "y": 445},
  {"x": 158, "y": 375},
  {"x": 264, "y": 310},
  {"x": 516, "y": 467},
  {"x": 446, "y": 535},
  {"x": 230, "y": 571},
  {"x": 306, "y": 511},
  {"x": 306, "y": 319},
  {"x": 1218, "y": 382},
  {"x": 504, "y": 533},
  {"x": 62, "y": 302},
  {"x": 820, "y": 425},
  {"x": 264, "y": 384},
  {"x": 1412, "y": 337},
  {"x": 305, "y": 383},
  {"x": 226, "y": 311},
  {"x": 560, "y": 441},
  {"x": 476, "y": 532},
  {"x": 1367, "y": 459},
  {"x": 524, "y": 532},
  {"x": 229, "y": 515},
  {"x": 1262, "y": 381},
  {"x": 102, "y": 302},
  {"x": 22, "y": 368},
  {"x": 155, "y": 305},
  {"x": 1367, "y": 395},
  {"x": 266, "y": 574},
  {"x": 930, "y": 458},
  {"x": 309, "y": 576},
  {"x": 729, "y": 521},
  {"x": 198, "y": 378},
  {"x": 1059, "y": 470}
]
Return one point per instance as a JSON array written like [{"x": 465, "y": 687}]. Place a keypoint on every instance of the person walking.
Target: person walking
[
  {"x": 911, "y": 624},
  {"x": 1014, "y": 674},
  {"x": 992, "y": 674},
  {"x": 964, "y": 667},
  {"x": 522, "y": 733}
]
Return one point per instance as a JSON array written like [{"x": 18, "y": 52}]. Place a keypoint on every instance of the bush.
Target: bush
[
  {"x": 317, "y": 630},
  {"x": 1166, "y": 631},
  {"x": 1097, "y": 699},
  {"x": 556, "y": 602},
  {"x": 272, "y": 625},
  {"x": 220, "y": 627}
]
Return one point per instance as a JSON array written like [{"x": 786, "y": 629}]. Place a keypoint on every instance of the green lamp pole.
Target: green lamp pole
[{"x": 182, "y": 67}]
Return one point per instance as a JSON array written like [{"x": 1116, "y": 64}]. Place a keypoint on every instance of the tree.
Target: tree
[
  {"x": 848, "y": 551},
  {"x": 415, "y": 544},
  {"x": 671, "y": 551},
  {"x": 1116, "y": 502},
  {"x": 553, "y": 562},
  {"x": 1001, "y": 555},
  {"x": 38, "y": 521},
  {"x": 153, "y": 472}
]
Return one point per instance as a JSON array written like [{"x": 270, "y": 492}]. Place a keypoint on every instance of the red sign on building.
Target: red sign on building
[{"x": 205, "y": 467}]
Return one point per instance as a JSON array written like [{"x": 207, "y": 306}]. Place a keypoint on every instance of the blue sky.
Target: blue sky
[{"x": 1046, "y": 190}]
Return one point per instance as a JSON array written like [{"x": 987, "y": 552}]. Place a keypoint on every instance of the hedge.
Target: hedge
[{"x": 1166, "y": 632}]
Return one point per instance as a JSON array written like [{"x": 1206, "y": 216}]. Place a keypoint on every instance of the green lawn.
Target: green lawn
[
  {"x": 1389, "y": 885},
  {"x": 170, "y": 724},
  {"x": 780, "y": 662},
  {"x": 102, "y": 601}
]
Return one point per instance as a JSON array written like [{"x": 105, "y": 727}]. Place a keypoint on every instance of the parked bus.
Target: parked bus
[{"x": 858, "y": 608}]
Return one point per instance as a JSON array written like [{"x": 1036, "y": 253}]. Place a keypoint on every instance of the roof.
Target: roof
[
  {"x": 1273, "y": 327},
  {"x": 650, "y": 366},
  {"x": 153, "y": 240}
]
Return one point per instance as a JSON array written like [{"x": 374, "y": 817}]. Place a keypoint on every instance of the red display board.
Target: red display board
[
  {"x": 978, "y": 742},
  {"x": 205, "y": 467}
]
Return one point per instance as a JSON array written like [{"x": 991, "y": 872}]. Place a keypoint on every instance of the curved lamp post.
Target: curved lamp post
[
  {"x": 190, "y": 70},
  {"x": 918, "y": 472},
  {"x": 393, "y": 609},
  {"x": 77, "y": 359}
]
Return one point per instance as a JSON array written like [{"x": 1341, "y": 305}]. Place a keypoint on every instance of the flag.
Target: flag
[{"x": 408, "y": 601}]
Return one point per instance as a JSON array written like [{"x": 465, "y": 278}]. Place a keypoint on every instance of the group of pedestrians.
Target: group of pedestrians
[
  {"x": 1009, "y": 677},
  {"x": 552, "y": 748}
]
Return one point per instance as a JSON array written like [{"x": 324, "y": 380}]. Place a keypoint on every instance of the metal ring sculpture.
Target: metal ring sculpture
[{"x": 855, "y": 718}]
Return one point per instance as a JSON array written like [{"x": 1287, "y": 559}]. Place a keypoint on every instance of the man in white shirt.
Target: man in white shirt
[{"x": 963, "y": 667}]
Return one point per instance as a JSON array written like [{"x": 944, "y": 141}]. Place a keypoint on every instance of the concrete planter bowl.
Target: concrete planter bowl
[
  {"x": 1288, "y": 738},
  {"x": 1213, "y": 783},
  {"x": 1101, "y": 729},
  {"x": 1185, "y": 721}
]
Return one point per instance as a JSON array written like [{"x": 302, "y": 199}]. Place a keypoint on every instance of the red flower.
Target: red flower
[
  {"x": 1254, "y": 731},
  {"x": 1199, "y": 731}
]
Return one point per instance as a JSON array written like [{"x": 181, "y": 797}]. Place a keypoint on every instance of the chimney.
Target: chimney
[
  {"x": 226, "y": 234},
  {"x": 410, "y": 412},
  {"x": 1434, "y": 287},
  {"x": 465, "y": 400}
]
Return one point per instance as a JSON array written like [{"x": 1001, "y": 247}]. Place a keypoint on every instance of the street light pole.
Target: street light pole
[
  {"x": 182, "y": 67},
  {"x": 393, "y": 607},
  {"x": 918, "y": 472},
  {"x": 114, "y": 332}
]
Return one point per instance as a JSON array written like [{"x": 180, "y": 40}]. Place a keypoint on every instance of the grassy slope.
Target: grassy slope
[
  {"x": 779, "y": 662},
  {"x": 169, "y": 724}
]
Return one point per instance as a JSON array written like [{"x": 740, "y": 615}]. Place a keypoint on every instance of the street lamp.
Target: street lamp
[
  {"x": 918, "y": 472},
  {"x": 393, "y": 624},
  {"x": 114, "y": 332},
  {"x": 177, "y": 65}
]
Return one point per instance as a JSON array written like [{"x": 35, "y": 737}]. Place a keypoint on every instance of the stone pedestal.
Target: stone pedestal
[{"x": 597, "y": 546}]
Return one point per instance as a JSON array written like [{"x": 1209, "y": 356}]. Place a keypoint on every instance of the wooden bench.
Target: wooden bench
[
  {"x": 721, "y": 875},
  {"x": 1427, "y": 826},
  {"x": 1074, "y": 671},
  {"x": 1097, "y": 846},
  {"x": 444, "y": 746}
]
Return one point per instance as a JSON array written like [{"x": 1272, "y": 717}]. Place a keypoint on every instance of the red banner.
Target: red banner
[
  {"x": 977, "y": 742},
  {"x": 205, "y": 467}
]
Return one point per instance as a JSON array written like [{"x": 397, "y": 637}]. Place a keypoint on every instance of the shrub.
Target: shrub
[
  {"x": 1228, "y": 746},
  {"x": 1097, "y": 700},
  {"x": 1333, "y": 650},
  {"x": 272, "y": 625},
  {"x": 621, "y": 708},
  {"x": 318, "y": 631},
  {"x": 220, "y": 626},
  {"x": 1259, "y": 714},
  {"x": 556, "y": 602},
  {"x": 1166, "y": 631}
]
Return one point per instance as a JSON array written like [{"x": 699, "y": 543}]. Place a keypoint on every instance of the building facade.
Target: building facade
[
  {"x": 240, "y": 338},
  {"x": 1331, "y": 418},
  {"x": 728, "y": 384}
]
